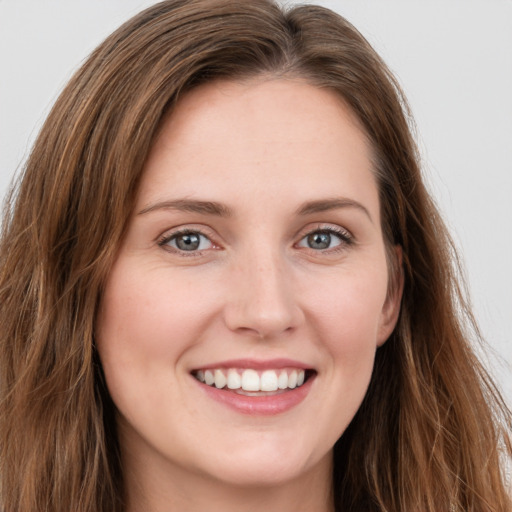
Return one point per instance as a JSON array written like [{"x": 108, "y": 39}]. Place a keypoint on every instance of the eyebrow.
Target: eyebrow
[
  {"x": 190, "y": 205},
  {"x": 221, "y": 210},
  {"x": 334, "y": 203}
]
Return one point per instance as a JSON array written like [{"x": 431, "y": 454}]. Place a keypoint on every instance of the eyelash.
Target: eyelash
[
  {"x": 345, "y": 237},
  {"x": 167, "y": 238}
]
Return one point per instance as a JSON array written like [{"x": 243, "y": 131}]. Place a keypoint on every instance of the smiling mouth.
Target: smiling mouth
[{"x": 251, "y": 382}]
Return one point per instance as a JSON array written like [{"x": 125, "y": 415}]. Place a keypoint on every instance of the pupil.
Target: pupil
[
  {"x": 319, "y": 240},
  {"x": 188, "y": 242}
]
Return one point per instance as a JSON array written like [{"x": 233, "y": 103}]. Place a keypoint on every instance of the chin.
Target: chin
[
  {"x": 267, "y": 466},
  {"x": 258, "y": 473}
]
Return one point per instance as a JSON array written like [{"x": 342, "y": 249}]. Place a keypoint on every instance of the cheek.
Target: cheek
[
  {"x": 144, "y": 325},
  {"x": 346, "y": 315},
  {"x": 146, "y": 315},
  {"x": 348, "y": 307}
]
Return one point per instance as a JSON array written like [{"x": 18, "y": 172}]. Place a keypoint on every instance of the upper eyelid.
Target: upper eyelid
[
  {"x": 321, "y": 226},
  {"x": 180, "y": 230},
  {"x": 175, "y": 234}
]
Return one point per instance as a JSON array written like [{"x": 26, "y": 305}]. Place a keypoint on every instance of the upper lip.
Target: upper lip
[{"x": 257, "y": 364}]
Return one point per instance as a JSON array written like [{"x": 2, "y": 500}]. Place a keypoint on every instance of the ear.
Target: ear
[{"x": 391, "y": 307}]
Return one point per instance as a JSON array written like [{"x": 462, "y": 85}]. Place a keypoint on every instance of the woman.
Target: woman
[{"x": 225, "y": 286}]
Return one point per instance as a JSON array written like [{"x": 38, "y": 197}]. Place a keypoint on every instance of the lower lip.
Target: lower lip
[{"x": 259, "y": 405}]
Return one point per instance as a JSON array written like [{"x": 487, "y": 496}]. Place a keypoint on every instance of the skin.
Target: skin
[{"x": 255, "y": 289}]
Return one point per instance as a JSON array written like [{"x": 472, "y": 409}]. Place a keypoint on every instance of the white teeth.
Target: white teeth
[
  {"x": 252, "y": 380},
  {"x": 268, "y": 381},
  {"x": 220, "y": 379},
  {"x": 292, "y": 379},
  {"x": 208, "y": 377},
  {"x": 282, "y": 382},
  {"x": 234, "y": 379}
]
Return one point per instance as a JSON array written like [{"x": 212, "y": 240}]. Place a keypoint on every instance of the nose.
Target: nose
[{"x": 262, "y": 301}]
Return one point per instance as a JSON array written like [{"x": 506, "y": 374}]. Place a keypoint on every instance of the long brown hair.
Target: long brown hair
[{"x": 432, "y": 428}]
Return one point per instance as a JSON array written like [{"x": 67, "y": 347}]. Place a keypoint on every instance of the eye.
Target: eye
[
  {"x": 325, "y": 239},
  {"x": 187, "y": 241}
]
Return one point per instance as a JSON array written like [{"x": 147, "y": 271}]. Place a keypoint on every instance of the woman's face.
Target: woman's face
[{"x": 254, "y": 260}]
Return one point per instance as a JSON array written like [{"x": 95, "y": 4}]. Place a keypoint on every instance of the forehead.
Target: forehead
[
  {"x": 265, "y": 136},
  {"x": 261, "y": 102}
]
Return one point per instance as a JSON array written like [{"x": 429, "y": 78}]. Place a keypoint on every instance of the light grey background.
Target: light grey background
[{"x": 453, "y": 58}]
